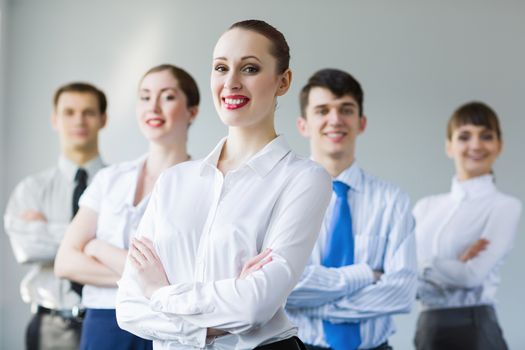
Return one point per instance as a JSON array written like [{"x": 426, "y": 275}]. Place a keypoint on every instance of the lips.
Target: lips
[
  {"x": 155, "y": 122},
  {"x": 235, "y": 101},
  {"x": 335, "y": 136},
  {"x": 476, "y": 157}
]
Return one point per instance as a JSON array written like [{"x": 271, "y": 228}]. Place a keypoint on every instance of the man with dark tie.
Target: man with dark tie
[
  {"x": 363, "y": 267},
  {"x": 42, "y": 205}
]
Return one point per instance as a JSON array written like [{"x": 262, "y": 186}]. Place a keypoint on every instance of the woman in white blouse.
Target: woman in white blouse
[
  {"x": 95, "y": 246},
  {"x": 463, "y": 238},
  {"x": 189, "y": 281}
]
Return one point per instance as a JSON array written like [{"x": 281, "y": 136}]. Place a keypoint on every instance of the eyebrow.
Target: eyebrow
[
  {"x": 242, "y": 58},
  {"x": 345, "y": 104},
  {"x": 162, "y": 90}
]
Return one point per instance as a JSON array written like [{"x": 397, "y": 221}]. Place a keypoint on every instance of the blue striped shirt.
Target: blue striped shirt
[{"x": 384, "y": 241}]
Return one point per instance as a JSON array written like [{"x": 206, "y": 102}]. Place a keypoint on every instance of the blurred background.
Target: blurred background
[{"x": 416, "y": 60}]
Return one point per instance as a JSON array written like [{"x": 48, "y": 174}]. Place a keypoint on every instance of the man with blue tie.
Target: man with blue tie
[{"x": 363, "y": 266}]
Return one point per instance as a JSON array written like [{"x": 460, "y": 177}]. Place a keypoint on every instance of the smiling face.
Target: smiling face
[
  {"x": 162, "y": 109},
  {"x": 244, "y": 79},
  {"x": 77, "y": 119},
  {"x": 332, "y": 124},
  {"x": 474, "y": 150}
]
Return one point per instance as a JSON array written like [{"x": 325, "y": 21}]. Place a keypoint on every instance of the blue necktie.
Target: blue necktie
[{"x": 340, "y": 252}]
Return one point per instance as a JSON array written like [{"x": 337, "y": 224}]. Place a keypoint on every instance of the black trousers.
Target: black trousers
[
  {"x": 53, "y": 332},
  {"x": 383, "y": 346},
  {"x": 466, "y": 328}
]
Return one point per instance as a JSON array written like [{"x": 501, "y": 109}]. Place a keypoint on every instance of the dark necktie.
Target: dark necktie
[
  {"x": 340, "y": 252},
  {"x": 80, "y": 185}
]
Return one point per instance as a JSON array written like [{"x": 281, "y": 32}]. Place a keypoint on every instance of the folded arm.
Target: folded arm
[
  {"x": 500, "y": 231},
  {"x": 237, "y": 305},
  {"x": 73, "y": 263},
  {"x": 395, "y": 290}
]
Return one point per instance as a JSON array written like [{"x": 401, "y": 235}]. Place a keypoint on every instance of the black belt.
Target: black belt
[
  {"x": 292, "y": 343},
  {"x": 73, "y": 314}
]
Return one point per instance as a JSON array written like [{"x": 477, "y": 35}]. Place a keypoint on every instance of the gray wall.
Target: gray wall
[
  {"x": 416, "y": 60},
  {"x": 3, "y": 251}
]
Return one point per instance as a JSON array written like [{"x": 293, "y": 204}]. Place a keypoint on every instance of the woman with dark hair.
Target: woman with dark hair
[
  {"x": 93, "y": 251},
  {"x": 225, "y": 239},
  {"x": 463, "y": 238}
]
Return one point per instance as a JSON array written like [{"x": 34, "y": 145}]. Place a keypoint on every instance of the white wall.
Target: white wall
[{"x": 417, "y": 61}]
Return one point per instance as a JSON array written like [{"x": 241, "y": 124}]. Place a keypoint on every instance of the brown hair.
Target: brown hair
[
  {"x": 279, "y": 50},
  {"x": 475, "y": 113},
  {"x": 339, "y": 82},
  {"x": 84, "y": 88},
  {"x": 186, "y": 82}
]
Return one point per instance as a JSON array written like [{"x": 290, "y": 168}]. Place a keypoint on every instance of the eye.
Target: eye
[
  {"x": 251, "y": 69},
  {"x": 488, "y": 136},
  {"x": 465, "y": 136},
  {"x": 168, "y": 96},
  {"x": 347, "y": 110},
  {"x": 321, "y": 111},
  {"x": 220, "y": 68},
  {"x": 144, "y": 98}
]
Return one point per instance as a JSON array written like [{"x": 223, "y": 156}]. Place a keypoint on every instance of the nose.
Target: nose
[
  {"x": 334, "y": 117},
  {"x": 233, "y": 81},
  {"x": 475, "y": 142},
  {"x": 154, "y": 103}
]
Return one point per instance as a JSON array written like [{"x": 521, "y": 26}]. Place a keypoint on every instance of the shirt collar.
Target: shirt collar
[
  {"x": 473, "y": 188},
  {"x": 261, "y": 163},
  {"x": 352, "y": 176},
  {"x": 69, "y": 168}
]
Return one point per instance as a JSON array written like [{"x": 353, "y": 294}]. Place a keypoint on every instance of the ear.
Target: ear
[
  {"x": 285, "y": 80},
  {"x": 54, "y": 121},
  {"x": 363, "y": 122},
  {"x": 500, "y": 147},
  {"x": 302, "y": 126},
  {"x": 194, "y": 110},
  {"x": 104, "y": 117},
  {"x": 448, "y": 148}
]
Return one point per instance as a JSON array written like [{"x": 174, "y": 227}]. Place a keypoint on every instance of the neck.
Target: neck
[
  {"x": 80, "y": 157},
  {"x": 242, "y": 144},
  {"x": 161, "y": 158},
  {"x": 334, "y": 165},
  {"x": 464, "y": 176}
]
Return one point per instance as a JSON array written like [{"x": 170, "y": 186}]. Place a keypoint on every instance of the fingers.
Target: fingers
[
  {"x": 258, "y": 258},
  {"x": 145, "y": 247},
  {"x": 256, "y": 263}
]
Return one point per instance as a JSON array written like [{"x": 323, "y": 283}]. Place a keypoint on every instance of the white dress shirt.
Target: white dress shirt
[
  {"x": 384, "y": 240},
  {"x": 446, "y": 225},
  {"x": 205, "y": 226},
  {"x": 111, "y": 195},
  {"x": 36, "y": 242}
]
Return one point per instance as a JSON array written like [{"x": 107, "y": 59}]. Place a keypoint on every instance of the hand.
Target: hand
[
  {"x": 33, "y": 215},
  {"x": 473, "y": 251},
  {"x": 214, "y": 332},
  {"x": 377, "y": 275},
  {"x": 145, "y": 260},
  {"x": 256, "y": 263}
]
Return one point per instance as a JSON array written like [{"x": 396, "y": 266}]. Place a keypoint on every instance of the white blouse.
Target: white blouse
[
  {"x": 446, "y": 225},
  {"x": 111, "y": 195},
  {"x": 205, "y": 226}
]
